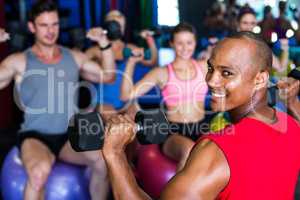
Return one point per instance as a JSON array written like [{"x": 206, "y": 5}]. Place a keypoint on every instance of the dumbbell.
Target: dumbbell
[
  {"x": 295, "y": 73},
  {"x": 86, "y": 131},
  {"x": 127, "y": 52},
  {"x": 153, "y": 33},
  {"x": 114, "y": 31}
]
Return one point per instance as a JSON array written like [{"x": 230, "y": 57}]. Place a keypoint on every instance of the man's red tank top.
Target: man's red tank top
[{"x": 264, "y": 159}]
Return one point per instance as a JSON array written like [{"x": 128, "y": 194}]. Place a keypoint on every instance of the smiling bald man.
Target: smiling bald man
[{"x": 257, "y": 157}]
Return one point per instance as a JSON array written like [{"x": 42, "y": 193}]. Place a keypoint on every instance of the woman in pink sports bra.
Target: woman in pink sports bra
[{"x": 183, "y": 89}]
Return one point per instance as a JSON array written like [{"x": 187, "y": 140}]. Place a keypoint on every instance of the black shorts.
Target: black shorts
[
  {"x": 192, "y": 130},
  {"x": 53, "y": 142}
]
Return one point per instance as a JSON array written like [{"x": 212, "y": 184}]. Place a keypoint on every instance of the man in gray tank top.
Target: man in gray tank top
[{"x": 46, "y": 77}]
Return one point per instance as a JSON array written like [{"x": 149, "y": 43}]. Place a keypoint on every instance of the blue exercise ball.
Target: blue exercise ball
[{"x": 65, "y": 182}]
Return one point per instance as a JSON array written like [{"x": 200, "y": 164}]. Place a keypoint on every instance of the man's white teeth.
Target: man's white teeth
[{"x": 218, "y": 95}]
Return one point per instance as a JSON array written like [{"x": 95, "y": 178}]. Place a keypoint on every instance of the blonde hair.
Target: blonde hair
[{"x": 114, "y": 14}]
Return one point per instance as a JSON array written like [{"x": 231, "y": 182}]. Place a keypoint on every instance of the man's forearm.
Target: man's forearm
[
  {"x": 108, "y": 61},
  {"x": 122, "y": 178}
]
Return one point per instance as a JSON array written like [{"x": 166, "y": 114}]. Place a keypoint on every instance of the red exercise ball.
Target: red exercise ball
[{"x": 154, "y": 169}]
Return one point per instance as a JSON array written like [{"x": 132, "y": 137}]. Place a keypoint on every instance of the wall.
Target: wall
[
  {"x": 193, "y": 11},
  {"x": 6, "y": 99}
]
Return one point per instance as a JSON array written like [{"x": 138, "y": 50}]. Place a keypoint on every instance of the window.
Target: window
[
  {"x": 258, "y": 6},
  {"x": 168, "y": 13}
]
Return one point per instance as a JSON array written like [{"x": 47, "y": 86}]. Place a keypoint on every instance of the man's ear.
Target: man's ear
[
  {"x": 31, "y": 27},
  {"x": 261, "y": 80}
]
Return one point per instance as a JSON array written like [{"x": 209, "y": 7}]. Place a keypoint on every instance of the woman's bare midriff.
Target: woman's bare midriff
[{"x": 186, "y": 113}]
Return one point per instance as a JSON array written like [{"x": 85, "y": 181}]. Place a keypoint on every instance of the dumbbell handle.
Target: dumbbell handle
[{"x": 127, "y": 52}]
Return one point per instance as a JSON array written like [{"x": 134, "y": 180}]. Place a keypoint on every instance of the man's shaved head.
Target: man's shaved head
[
  {"x": 238, "y": 72},
  {"x": 262, "y": 55}
]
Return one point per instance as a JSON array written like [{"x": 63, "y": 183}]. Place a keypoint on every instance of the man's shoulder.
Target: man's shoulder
[
  {"x": 77, "y": 55},
  {"x": 67, "y": 49},
  {"x": 74, "y": 52},
  {"x": 18, "y": 58},
  {"x": 228, "y": 130},
  {"x": 207, "y": 147}
]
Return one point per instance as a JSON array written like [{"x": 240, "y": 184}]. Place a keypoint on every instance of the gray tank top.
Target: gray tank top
[{"x": 48, "y": 93}]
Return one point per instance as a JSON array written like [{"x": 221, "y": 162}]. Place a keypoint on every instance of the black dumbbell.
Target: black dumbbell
[
  {"x": 86, "y": 131},
  {"x": 114, "y": 31},
  {"x": 295, "y": 73}
]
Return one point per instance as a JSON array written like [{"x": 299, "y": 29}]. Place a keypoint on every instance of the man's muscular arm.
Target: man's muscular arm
[
  {"x": 91, "y": 70},
  {"x": 204, "y": 176},
  {"x": 11, "y": 65}
]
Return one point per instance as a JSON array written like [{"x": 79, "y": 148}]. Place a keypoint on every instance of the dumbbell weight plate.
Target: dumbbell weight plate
[
  {"x": 153, "y": 127},
  {"x": 86, "y": 132}
]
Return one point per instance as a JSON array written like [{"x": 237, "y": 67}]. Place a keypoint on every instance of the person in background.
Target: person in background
[
  {"x": 108, "y": 95},
  {"x": 267, "y": 24},
  {"x": 183, "y": 89},
  {"x": 46, "y": 76},
  {"x": 289, "y": 94},
  {"x": 247, "y": 22},
  {"x": 237, "y": 162}
]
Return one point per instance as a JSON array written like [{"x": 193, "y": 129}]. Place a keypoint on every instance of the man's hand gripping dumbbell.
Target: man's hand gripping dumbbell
[{"x": 86, "y": 131}]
